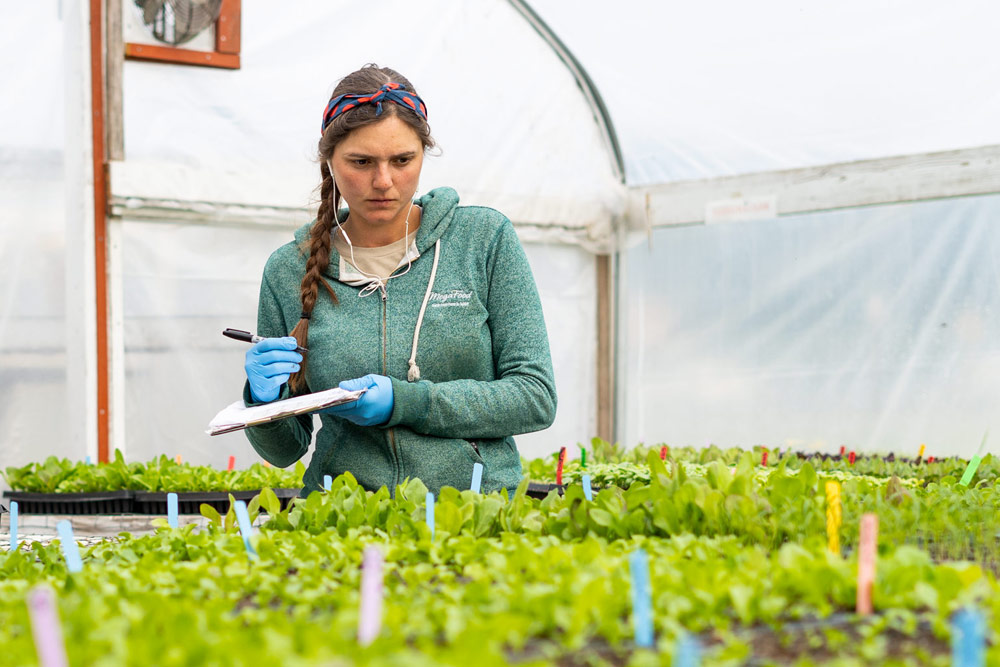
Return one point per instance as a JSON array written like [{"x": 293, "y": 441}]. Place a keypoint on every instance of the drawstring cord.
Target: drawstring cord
[{"x": 413, "y": 374}]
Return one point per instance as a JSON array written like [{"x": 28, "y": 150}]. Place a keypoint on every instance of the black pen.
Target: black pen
[{"x": 247, "y": 337}]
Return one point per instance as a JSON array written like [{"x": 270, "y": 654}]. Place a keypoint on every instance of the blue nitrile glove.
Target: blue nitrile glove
[
  {"x": 375, "y": 405},
  {"x": 269, "y": 364}
]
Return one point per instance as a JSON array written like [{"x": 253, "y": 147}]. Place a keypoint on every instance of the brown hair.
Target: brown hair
[{"x": 368, "y": 79}]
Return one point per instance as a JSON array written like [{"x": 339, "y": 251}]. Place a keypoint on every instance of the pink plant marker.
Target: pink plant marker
[
  {"x": 370, "y": 618},
  {"x": 45, "y": 627},
  {"x": 232, "y": 462},
  {"x": 866, "y": 563}
]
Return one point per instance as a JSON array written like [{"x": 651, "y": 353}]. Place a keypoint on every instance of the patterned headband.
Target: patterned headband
[{"x": 392, "y": 92}]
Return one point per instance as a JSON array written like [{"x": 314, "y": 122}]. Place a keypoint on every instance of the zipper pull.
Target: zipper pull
[{"x": 384, "y": 295}]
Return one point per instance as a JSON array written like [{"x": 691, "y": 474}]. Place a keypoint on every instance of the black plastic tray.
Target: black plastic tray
[
  {"x": 191, "y": 502},
  {"x": 101, "y": 502},
  {"x": 540, "y": 490}
]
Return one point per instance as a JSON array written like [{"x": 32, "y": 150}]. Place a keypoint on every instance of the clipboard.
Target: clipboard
[{"x": 238, "y": 416}]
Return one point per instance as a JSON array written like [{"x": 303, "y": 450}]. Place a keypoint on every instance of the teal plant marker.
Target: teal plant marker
[
  {"x": 587, "y": 492},
  {"x": 13, "y": 525},
  {"x": 45, "y": 627},
  {"x": 583, "y": 457},
  {"x": 327, "y": 482},
  {"x": 974, "y": 462},
  {"x": 172, "y": 509},
  {"x": 430, "y": 512},
  {"x": 69, "y": 548},
  {"x": 687, "y": 652},
  {"x": 246, "y": 530},
  {"x": 968, "y": 639},
  {"x": 477, "y": 477},
  {"x": 642, "y": 605},
  {"x": 87, "y": 459}
]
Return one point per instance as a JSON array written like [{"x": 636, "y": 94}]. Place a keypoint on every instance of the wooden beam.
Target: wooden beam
[
  {"x": 114, "y": 60},
  {"x": 166, "y": 54},
  {"x": 908, "y": 178},
  {"x": 605, "y": 349},
  {"x": 227, "y": 27},
  {"x": 100, "y": 221}
]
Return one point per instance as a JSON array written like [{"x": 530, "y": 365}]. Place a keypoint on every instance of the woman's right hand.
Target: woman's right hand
[{"x": 269, "y": 364}]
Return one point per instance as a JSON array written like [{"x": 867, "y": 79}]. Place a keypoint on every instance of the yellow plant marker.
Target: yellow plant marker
[{"x": 833, "y": 516}]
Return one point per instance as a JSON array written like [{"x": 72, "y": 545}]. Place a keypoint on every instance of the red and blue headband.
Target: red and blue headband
[{"x": 392, "y": 92}]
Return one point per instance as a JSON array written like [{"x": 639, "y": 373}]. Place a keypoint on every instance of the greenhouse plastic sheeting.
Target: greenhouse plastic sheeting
[
  {"x": 184, "y": 284},
  {"x": 875, "y": 328},
  {"x": 706, "y": 89}
]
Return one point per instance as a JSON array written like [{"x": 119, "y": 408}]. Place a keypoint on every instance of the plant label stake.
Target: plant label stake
[
  {"x": 588, "y": 493},
  {"x": 833, "y": 516},
  {"x": 246, "y": 529},
  {"x": 970, "y": 471},
  {"x": 477, "y": 476},
  {"x": 583, "y": 457},
  {"x": 71, "y": 552},
  {"x": 920, "y": 454},
  {"x": 13, "y": 525},
  {"x": 642, "y": 604},
  {"x": 327, "y": 482},
  {"x": 843, "y": 449},
  {"x": 663, "y": 453},
  {"x": 172, "y": 509},
  {"x": 968, "y": 639},
  {"x": 178, "y": 459},
  {"x": 232, "y": 463},
  {"x": 560, "y": 464},
  {"x": 851, "y": 458},
  {"x": 687, "y": 652},
  {"x": 763, "y": 459},
  {"x": 370, "y": 617},
  {"x": 45, "y": 627},
  {"x": 86, "y": 459},
  {"x": 429, "y": 513},
  {"x": 866, "y": 563}
]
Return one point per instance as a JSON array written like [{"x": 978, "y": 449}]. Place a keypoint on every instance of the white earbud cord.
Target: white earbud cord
[{"x": 377, "y": 282}]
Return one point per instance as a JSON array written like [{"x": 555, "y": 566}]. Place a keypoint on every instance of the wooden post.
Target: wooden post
[{"x": 605, "y": 348}]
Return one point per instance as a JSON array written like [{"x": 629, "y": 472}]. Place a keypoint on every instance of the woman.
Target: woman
[{"x": 428, "y": 305}]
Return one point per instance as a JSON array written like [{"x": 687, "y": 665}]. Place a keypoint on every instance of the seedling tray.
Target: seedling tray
[
  {"x": 540, "y": 490},
  {"x": 101, "y": 502},
  {"x": 191, "y": 502}
]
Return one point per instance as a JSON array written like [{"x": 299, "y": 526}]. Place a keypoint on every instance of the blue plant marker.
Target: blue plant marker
[
  {"x": 430, "y": 512},
  {"x": 687, "y": 652},
  {"x": 69, "y": 548},
  {"x": 642, "y": 604},
  {"x": 246, "y": 530},
  {"x": 13, "y": 525},
  {"x": 88, "y": 459},
  {"x": 587, "y": 492},
  {"x": 968, "y": 639},
  {"x": 172, "y": 509},
  {"x": 327, "y": 482},
  {"x": 477, "y": 477}
]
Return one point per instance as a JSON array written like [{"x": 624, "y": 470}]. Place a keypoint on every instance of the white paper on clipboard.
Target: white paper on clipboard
[{"x": 238, "y": 416}]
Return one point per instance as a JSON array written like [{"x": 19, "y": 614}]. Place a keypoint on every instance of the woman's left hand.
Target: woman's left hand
[{"x": 375, "y": 405}]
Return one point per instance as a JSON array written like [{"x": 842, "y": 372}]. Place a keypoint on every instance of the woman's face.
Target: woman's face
[{"x": 377, "y": 168}]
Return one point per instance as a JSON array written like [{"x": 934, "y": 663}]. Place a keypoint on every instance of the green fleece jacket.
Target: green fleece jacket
[{"x": 483, "y": 355}]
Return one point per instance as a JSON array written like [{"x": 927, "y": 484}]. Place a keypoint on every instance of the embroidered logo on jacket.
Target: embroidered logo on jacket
[{"x": 456, "y": 297}]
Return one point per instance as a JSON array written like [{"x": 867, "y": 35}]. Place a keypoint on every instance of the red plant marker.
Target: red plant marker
[
  {"x": 930, "y": 459},
  {"x": 843, "y": 450},
  {"x": 663, "y": 453},
  {"x": 763, "y": 459},
  {"x": 559, "y": 466},
  {"x": 851, "y": 458},
  {"x": 232, "y": 463},
  {"x": 866, "y": 563}
]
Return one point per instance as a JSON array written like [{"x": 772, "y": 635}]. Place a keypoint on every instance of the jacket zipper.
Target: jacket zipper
[{"x": 385, "y": 369}]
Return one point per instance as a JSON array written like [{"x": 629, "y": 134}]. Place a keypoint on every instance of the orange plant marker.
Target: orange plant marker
[
  {"x": 559, "y": 466},
  {"x": 178, "y": 459},
  {"x": 866, "y": 563}
]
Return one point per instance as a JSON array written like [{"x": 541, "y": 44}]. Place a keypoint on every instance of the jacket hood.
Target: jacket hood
[{"x": 438, "y": 212}]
